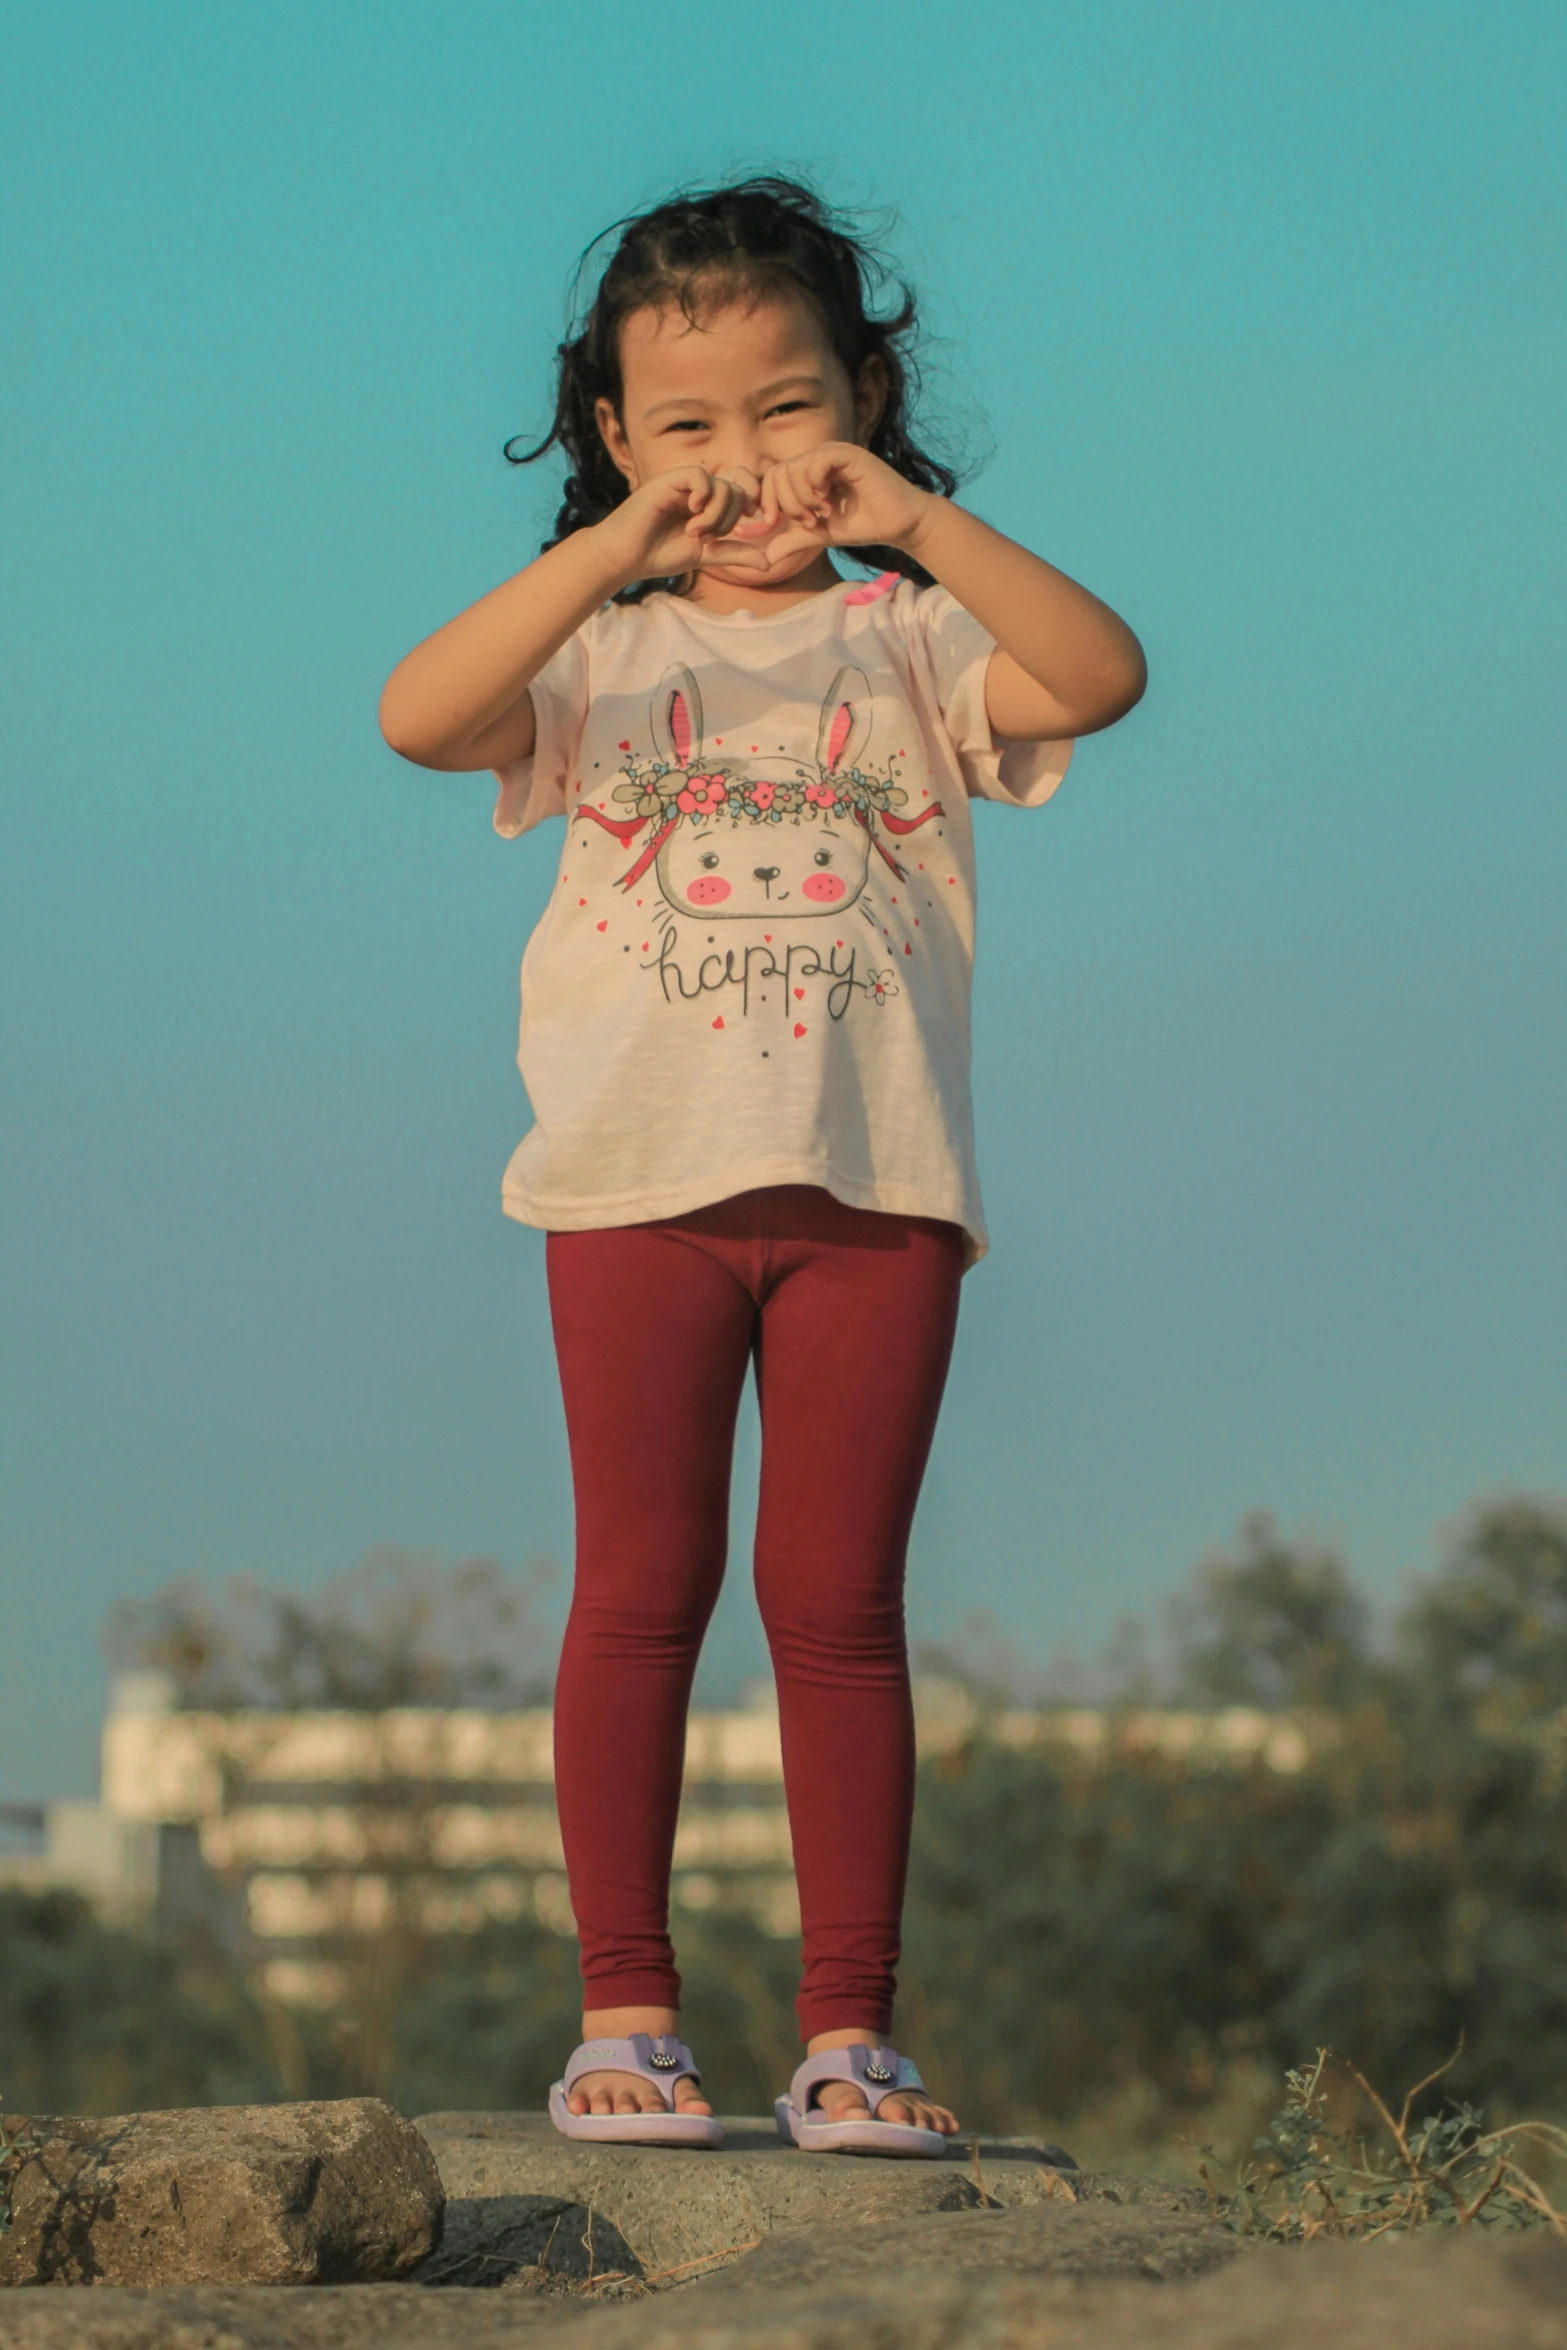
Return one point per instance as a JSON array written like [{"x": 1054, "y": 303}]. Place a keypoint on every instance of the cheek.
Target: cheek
[
  {"x": 825, "y": 888},
  {"x": 708, "y": 889}
]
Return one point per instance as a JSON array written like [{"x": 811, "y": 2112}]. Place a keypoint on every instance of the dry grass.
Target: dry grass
[{"x": 1318, "y": 2173}]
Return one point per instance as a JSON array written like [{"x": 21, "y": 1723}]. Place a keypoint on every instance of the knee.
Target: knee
[
  {"x": 836, "y": 1627},
  {"x": 630, "y": 1599}
]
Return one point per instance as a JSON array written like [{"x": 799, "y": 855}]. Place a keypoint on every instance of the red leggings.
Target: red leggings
[{"x": 849, "y": 1315}]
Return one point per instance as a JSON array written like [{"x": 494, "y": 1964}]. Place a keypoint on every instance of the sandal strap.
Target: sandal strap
[
  {"x": 876, "y": 2072},
  {"x": 660, "y": 2057}
]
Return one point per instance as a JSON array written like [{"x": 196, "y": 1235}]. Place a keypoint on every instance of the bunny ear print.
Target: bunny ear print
[
  {"x": 677, "y": 716},
  {"x": 846, "y": 720}
]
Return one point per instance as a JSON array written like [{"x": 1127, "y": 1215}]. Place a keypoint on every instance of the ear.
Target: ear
[
  {"x": 846, "y": 720},
  {"x": 612, "y": 434},
  {"x": 676, "y": 715},
  {"x": 870, "y": 397}
]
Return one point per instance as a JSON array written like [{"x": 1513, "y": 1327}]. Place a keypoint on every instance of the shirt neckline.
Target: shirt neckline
[{"x": 829, "y": 600}]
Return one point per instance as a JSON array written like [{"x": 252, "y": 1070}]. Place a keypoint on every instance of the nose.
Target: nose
[
  {"x": 765, "y": 872},
  {"x": 734, "y": 456}
]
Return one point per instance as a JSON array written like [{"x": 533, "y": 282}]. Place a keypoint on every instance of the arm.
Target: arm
[
  {"x": 460, "y": 700},
  {"x": 1065, "y": 664}
]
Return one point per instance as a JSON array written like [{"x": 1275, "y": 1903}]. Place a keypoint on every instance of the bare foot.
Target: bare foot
[
  {"x": 845, "y": 2101},
  {"x": 612, "y": 2092}
]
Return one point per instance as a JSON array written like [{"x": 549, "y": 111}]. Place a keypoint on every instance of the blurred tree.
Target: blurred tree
[
  {"x": 97, "y": 2021},
  {"x": 401, "y": 1628},
  {"x": 1489, "y": 1631},
  {"x": 1274, "y": 1622}
]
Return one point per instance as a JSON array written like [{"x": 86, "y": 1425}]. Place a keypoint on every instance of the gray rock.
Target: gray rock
[
  {"x": 536, "y": 2241},
  {"x": 681, "y": 2212},
  {"x": 247, "y": 2194},
  {"x": 1440, "y": 2292},
  {"x": 1443, "y": 2292},
  {"x": 266, "y": 2317},
  {"x": 1053, "y": 2239}
]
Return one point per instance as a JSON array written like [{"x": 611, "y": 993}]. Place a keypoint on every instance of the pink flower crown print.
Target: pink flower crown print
[{"x": 757, "y": 836}]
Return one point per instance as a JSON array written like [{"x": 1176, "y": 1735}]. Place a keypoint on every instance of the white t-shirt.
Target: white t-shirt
[{"x": 755, "y": 965}]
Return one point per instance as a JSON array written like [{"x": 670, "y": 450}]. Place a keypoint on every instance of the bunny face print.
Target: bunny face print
[
  {"x": 756, "y": 838},
  {"x": 723, "y": 866}
]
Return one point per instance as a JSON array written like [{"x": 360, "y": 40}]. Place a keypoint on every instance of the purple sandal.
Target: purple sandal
[
  {"x": 661, "y": 2058},
  {"x": 877, "y": 2073}
]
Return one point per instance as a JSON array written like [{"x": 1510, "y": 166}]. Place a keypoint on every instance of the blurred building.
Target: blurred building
[{"x": 293, "y": 1838}]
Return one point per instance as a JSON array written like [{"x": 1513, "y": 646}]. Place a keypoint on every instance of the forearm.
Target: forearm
[
  {"x": 1083, "y": 655},
  {"x": 459, "y": 686}
]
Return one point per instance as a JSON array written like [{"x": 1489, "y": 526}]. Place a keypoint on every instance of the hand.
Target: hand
[
  {"x": 836, "y": 496},
  {"x": 668, "y": 523}
]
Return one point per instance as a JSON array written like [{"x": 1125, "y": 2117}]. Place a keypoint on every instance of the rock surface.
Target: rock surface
[
  {"x": 1100, "y": 2240},
  {"x": 1440, "y": 2292},
  {"x": 756, "y": 2247},
  {"x": 681, "y": 2211},
  {"x": 261, "y": 2317},
  {"x": 541, "y": 2241},
  {"x": 249, "y": 2194}
]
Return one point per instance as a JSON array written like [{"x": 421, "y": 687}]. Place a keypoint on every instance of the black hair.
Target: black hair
[{"x": 753, "y": 237}]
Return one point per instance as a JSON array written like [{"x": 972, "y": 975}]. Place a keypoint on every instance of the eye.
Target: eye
[
  {"x": 708, "y": 861},
  {"x": 688, "y": 424},
  {"x": 824, "y": 856},
  {"x": 788, "y": 407}
]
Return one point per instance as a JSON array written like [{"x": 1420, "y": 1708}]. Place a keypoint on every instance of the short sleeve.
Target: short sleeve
[
  {"x": 532, "y": 789},
  {"x": 956, "y": 654}
]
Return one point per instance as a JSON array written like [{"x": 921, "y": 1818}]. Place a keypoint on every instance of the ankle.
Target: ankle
[
  {"x": 847, "y": 2036},
  {"x": 618, "y": 2023}
]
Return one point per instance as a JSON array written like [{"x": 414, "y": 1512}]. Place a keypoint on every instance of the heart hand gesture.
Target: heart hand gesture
[
  {"x": 836, "y": 496},
  {"x": 667, "y": 523}
]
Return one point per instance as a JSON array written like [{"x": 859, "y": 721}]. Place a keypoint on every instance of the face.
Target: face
[
  {"x": 750, "y": 383},
  {"x": 720, "y": 868}
]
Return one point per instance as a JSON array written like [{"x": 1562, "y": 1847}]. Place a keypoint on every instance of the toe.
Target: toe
[
  {"x": 841, "y": 2101},
  {"x": 936, "y": 2117}
]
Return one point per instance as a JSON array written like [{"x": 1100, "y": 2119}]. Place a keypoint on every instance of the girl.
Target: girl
[{"x": 745, "y": 1037}]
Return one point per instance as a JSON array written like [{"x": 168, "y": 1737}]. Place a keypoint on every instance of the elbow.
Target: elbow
[
  {"x": 1131, "y": 677},
  {"x": 401, "y": 731},
  {"x": 1123, "y": 686},
  {"x": 1134, "y": 681}
]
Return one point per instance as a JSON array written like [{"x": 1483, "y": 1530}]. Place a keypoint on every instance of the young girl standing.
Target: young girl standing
[{"x": 745, "y": 1037}]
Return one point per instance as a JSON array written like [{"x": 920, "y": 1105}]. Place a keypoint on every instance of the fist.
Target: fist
[
  {"x": 668, "y": 523},
  {"x": 837, "y": 496}
]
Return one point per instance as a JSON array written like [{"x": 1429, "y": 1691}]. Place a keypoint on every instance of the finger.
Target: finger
[
  {"x": 745, "y": 481},
  {"x": 737, "y": 503},
  {"x": 823, "y": 470},
  {"x": 688, "y": 486},
  {"x": 710, "y": 517},
  {"x": 793, "y": 542},
  {"x": 786, "y": 496}
]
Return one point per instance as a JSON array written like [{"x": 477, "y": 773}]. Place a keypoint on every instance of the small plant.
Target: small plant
[{"x": 1317, "y": 2177}]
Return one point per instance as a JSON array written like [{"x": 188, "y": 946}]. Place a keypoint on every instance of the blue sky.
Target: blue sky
[{"x": 1259, "y": 309}]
